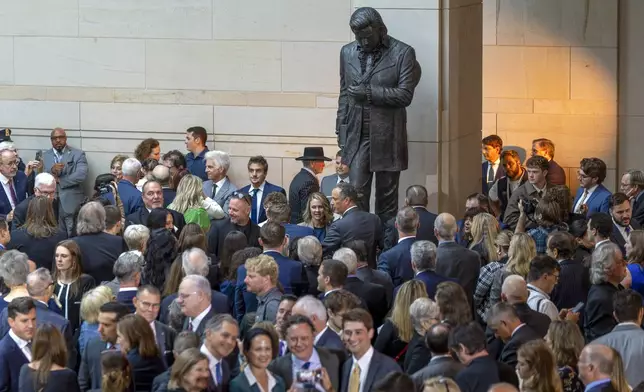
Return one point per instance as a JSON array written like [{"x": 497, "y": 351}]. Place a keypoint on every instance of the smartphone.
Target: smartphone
[
  {"x": 578, "y": 307},
  {"x": 39, "y": 155}
]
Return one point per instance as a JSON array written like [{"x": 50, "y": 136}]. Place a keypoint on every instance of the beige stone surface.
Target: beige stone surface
[
  {"x": 327, "y": 101},
  {"x": 593, "y": 73},
  {"x": 630, "y": 142},
  {"x": 39, "y": 17},
  {"x": 631, "y": 58},
  {"x": 186, "y": 97},
  {"x": 489, "y": 123},
  {"x": 398, "y": 4},
  {"x": 43, "y": 115},
  {"x": 85, "y": 94},
  {"x": 489, "y": 21},
  {"x": 505, "y": 105},
  {"x": 592, "y": 107},
  {"x": 6, "y": 66},
  {"x": 311, "y": 66}
]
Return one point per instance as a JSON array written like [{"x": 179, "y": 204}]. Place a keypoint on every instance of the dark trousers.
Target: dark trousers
[{"x": 362, "y": 176}]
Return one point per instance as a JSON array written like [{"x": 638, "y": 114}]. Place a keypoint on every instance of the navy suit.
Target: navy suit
[
  {"x": 397, "y": 262},
  {"x": 304, "y": 183},
  {"x": 130, "y": 196},
  {"x": 291, "y": 274},
  {"x": 379, "y": 367},
  {"x": 485, "y": 167},
  {"x": 268, "y": 188},
  {"x": 330, "y": 340},
  {"x": 44, "y": 315},
  {"x": 597, "y": 201},
  {"x": 11, "y": 360},
  {"x": 431, "y": 280},
  {"x": 218, "y": 302},
  {"x": 617, "y": 237},
  {"x": 125, "y": 297},
  {"x": 20, "y": 187},
  {"x": 297, "y": 231}
]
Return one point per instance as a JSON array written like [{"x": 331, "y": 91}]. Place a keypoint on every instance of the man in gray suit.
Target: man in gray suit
[
  {"x": 627, "y": 337},
  {"x": 69, "y": 166},
  {"x": 441, "y": 363},
  {"x": 341, "y": 174},
  {"x": 218, "y": 187},
  {"x": 299, "y": 332}
]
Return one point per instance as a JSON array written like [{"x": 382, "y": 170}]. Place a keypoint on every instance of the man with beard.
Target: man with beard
[
  {"x": 515, "y": 176},
  {"x": 238, "y": 219},
  {"x": 259, "y": 188},
  {"x": 152, "y": 196},
  {"x": 619, "y": 207},
  {"x": 341, "y": 175}
]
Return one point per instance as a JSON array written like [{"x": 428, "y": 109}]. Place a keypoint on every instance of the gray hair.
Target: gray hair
[
  {"x": 136, "y": 236},
  {"x": 200, "y": 284},
  {"x": 131, "y": 167},
  {"x": 603, "y": 259},
  {"x": 446, "y": 226},
  {"x": 220, "y": 157},
  {"x": 309, "y": 250},
  {"x": 423, "y": 255},
  {"x": 636, "y": 178},
  {"x": 38, "y": 282},
  {"x": 348, "y": 257},
  {"x": 423, "y": 309},
  {"x": 191, "y": 267},
  {"x": 215, "y": 323},
  {"x": 44, "y": 179},
  {"x": 312, "y": 307},
  {"x": 91, "y": 218},
  {"x": 7, "y": 146},
  {"x": 14, "y": 268},
  {"x": 127, "y": 266}
]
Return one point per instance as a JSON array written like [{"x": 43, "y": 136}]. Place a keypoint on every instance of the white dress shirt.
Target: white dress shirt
[
  {"x": 212, "y": 363},
  {"x": 252, "y": 380},
  {"x": 197, "y": 320},
  {"x": 495, "y": 167},
  {"x": 540, "y": 302},
  {"x": 345, "y": 180},
  {"x": 583, "y": 199},
  {"x": 22, "y": 345},
  {"x": 6, "y": 185},
  {"x": 154, "y": 331},
  {"x": 404, "y": 238},
  {"x": 219, "y": 184},
  {"x": 363, "y": 363}
]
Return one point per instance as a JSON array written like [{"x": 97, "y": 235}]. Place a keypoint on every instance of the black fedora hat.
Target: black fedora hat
[{"x": 313, "y": 154}]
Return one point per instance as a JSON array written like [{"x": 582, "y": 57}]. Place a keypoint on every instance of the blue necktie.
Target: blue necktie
[
  {"x": 253, "y": 208},
  {"x": 282, "y": 348},
  {"x": 306, "y": 366},
  {"x": 218, "y": 377}
]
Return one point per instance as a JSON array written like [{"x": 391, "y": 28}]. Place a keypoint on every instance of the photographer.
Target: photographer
[
  {"x": 535, "y": 189},
  {"x": 105, "y": 187},
  {"x": 547, "y": 216}
]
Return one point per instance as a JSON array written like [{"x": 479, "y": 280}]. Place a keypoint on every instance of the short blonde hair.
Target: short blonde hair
[
  {"x": 263, "y": 265},
  {"x": 92, "y": 302}
]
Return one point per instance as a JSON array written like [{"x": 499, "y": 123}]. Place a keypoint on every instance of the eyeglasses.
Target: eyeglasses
[
  {"x": 52, "y": 193},
  {"x": 242, "y": 196},
  {"x": 12, "y": 163},
  {"x": 582, "y": 175},
  {"x": 149, "y": 305}
]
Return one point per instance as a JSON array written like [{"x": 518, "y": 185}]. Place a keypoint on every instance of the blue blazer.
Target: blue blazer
[
  {"x": 20, "y": 186},
  {"x": 268, "y": 188},
  {"x": 484, "y": 168},
  {"x": 397, "y": 262},
  {"x": 431, "y": 280},
  {"x": 380, "y": 366},
  {"x": 598, "y": 200},
  {"x": 330, "y": 340},
  {"x": 297, "y": 231},
  {"x": 130, "y": 196},
  {"x": 11, "y": 360},
  {"x": 291, "y": 274},
  {"x": 240, "y": 384},
  {"x": 125, "y": 297}
]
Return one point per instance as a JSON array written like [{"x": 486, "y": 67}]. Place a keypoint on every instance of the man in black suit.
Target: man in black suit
[
  {"x": 15, "y": 347},
  {"x": 89, "y": 374},
  {"x": 147, "y": 303},
  {"x": 337, "y": 303},
  {"x": 574, "y": 277},
  {"x": 596, "y": 368},
  {"x": 238, "y": 219},
  {"x": 219, "y": 343},
  {"x": 313, "y": 309},
  {"x": 152, "y": 197},
  {"x": 632, "y": 184},
  {"x": 506, "y": 324},
  {"x": 354, "y": 225},
  {"x": 127, "y": 270},
  {"x": 44, "y": 185},
  {"x": 423, "y": 262},
  {"x": 492, "y": 169},
  {"x": 452, "y": 259},
  {"x": 305, "y": 182},
  {"x": 441, "y": 364},
  {"x": 397, "y": 260},
  {"x": 332, "y": 276},
  {"x": 368, "y": 274},
  {"x": 299, "y": 332},
  {"x": 358, "y": 330},
  {"x": 194, "y": 299},
  {"x": 619, "y": 207},
  {"x": 417, "y": 198},
  {"x": 481, "y": 370},
  {"x": 372, "y": 295}
]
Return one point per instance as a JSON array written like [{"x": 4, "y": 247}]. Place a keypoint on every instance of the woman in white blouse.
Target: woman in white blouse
[{"x": 258, "y": 350}]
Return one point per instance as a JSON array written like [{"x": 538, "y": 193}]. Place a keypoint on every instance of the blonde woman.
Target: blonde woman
[
  {"x": 318, "y": 214},
  {"x": 398, "y": 330},
  {"x": 566, "y": 342},
  {"x": 441, "y": 384},
  {"x": 618, "y": 376},
  {"x": 193, "y": 204},
  {"x": 537, "y": 368},
  {"x": 486, "y": 276},
  {"x": 484, "y": 230},
  {"x": 89, "y": 309},
  {"x": 521, "y": 252}
]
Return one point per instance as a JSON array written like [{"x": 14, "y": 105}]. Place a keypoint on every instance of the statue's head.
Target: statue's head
[{"x": 368, "y": 28}]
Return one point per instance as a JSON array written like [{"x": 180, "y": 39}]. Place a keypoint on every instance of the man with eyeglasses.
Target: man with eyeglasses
[
  {"x": 542, "y": 279},
  {"x": 69, "y": 166},
  {"x": 45, "y": 186},
  {"x": 194, "y": 299},
  {"x": 14, "y": 183},
  {"x": 147, "y": 303},
  {"x": 591, "y": 196},
  {"x": 238, "y": 219}
]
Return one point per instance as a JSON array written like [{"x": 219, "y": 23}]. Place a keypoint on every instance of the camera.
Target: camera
[
  {"x": 529, "y": 206},
  {"x": 309, "y": 378},
  {"x": 102, "y": 183}
]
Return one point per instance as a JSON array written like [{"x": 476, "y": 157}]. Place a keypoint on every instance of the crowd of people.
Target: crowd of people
[{"x": 171, "y": 278}]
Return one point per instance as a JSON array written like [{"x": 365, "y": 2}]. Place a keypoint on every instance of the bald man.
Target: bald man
[
  {"x": 161, "y": 173},
  {"x": 595, "y": 368}
]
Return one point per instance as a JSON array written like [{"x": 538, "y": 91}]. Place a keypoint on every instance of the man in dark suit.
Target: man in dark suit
[
  {"x": 423, "y": 263},
  {"x": 305, "y": 182},
  {"x": 162, "y": 174},
  {"x": 595, "y": 368},
  {"x": 546, "y": 148},
  {"x": 152, "y": 197},
  {"x": 219, "y": 345},
  {"x": 259, "y": 188},
  {"x": 218, "y": 187},
  {"x": 492, "y": 170},
  {"x": 452, "y": 259},
  {"x": 299, "y": 333},
  {"x": 506, "y": 324},
  {"x": 147, "y": 303},
  {"x": 574, "y": 277},
  {"x": 358, "y": 330},
  {"x": 128, "y": 192},
  {"x": 194, "y": 300},
  {"x": 14, "y": 183},
  {"x": 354, "y": 225},
  {"x": 15, "y": 347},
  {"x": 341, "y": 175},
  {"x": 44, "y": 185},
  {"x": 632, "y": 185},
  {"x": 238, "y": 219},
  {"x": 368, "y": 274},
  {"x": 418, "y": 199},
  {"x": 591, "y": 196},
  {"x": 127, "y": 270},
  {"x": 281, "y": 213},
  {"x": 397, "y": 260},
  {"x": 620, "y": 209},
  {"x": 481, "y": 370},
  {"x": 313, "y": 309},
  {"x": 441, "y": 364},
  {"x": 89, "y": 374},
  {"x": 372, "y": 295}
]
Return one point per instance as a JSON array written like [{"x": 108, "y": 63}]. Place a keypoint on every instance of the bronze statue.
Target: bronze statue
[{"x": 378, "y": 75}]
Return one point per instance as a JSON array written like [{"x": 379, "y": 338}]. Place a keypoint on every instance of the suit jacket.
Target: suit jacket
[
  {"x": 539, "y": 323},
  {"x": 268, "y": 188},
  {"x": 328, "y": 183},
  {"x": 417, "y": 354},
  {"x": 616, "y": 236},
  {"x": 372, "y": 295},
  {"x": 598, "y": 312},
  {"x": 20, "y": 213},
  {"x": 11, "y": 360},
  {"x": 431, "y": 280},
  {"x": 72, "y": 178},
  {"x": 291, "y": 274},
  {"x": 355, "y": 225},
  {"x": 220, "y": 228},
  {"x": 99, "y": 252},
  {"x": 573, "y": 285},
  {"x": 382, "y": 278},
  {"x": 304, "y": 183},
  {"x": 425, "y": 231},
  {"x": 605, "y": 387},
  {"x": 140, "y": 217},
  {"x": 597, "y": 202},
  {"x": 144, "y": 370},
  {"x": 438, "y": 367},
  {"x": 168, "y": 196},
  {"x": 224, "y": 194},
  {"x": 165, "y": 341},
  {"x": 483, "y": 372},
  {"x": 297, "y": 231},
  {"x": 130, "y": 196},
  {"x": 638, "y": 208},
  {"x": 380, "y": 366},
  {"x": 521, "y": 336},
  {"x": 283, "y": 367},
  {"x": 240, "y": 384},
  {"x": 485, "y": 167},
  {"x": 201, "y": 328},
  {"x": 556, "y": 174},
  {"x": 397, "y": 262},
  {"x": 125, "y": 297},
  {"x": 330, "y": 340},
  {"x": 20, "y": 187},
  {"x": 89, "y": 374},
  {"x": 218, "y": 301},
  {"x": 628, "y": 340},
  {"x": 460, "y": 263}
]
